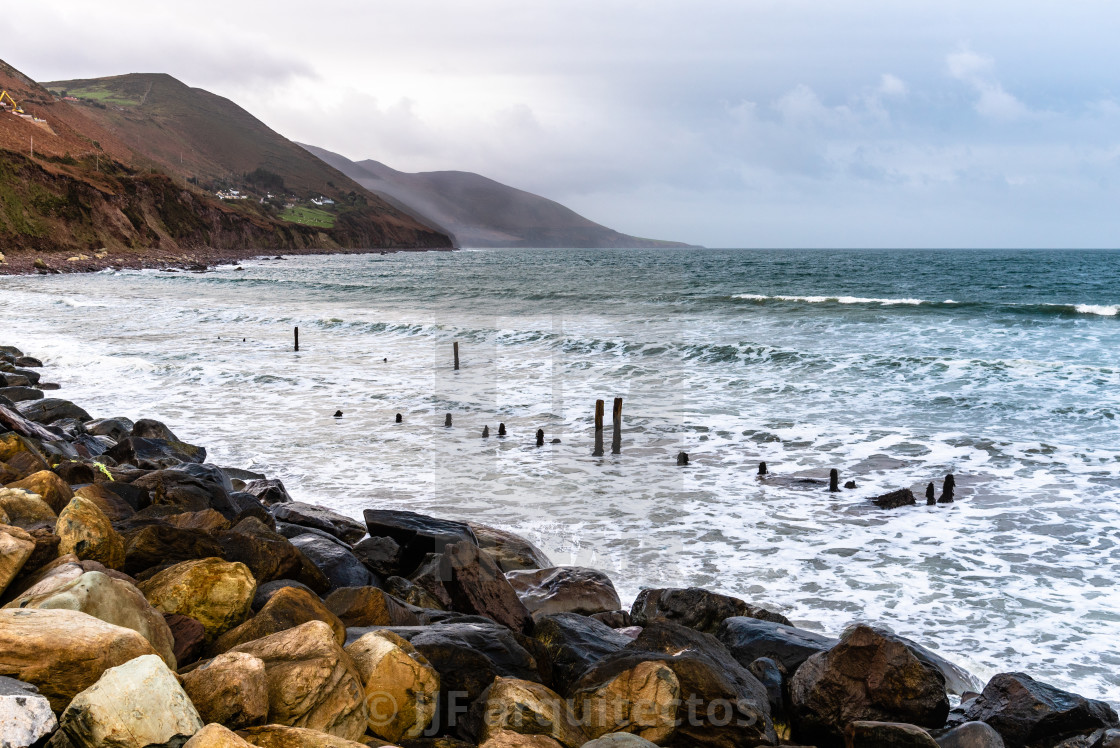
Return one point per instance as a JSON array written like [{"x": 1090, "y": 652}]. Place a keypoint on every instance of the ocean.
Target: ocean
[{"x": 894, "y": 367}]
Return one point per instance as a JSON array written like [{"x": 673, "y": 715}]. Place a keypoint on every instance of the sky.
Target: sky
[{"x": 727, "y": 123}]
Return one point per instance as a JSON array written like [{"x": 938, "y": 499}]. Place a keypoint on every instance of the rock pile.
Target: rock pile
[{"x": 150, "y": 598}]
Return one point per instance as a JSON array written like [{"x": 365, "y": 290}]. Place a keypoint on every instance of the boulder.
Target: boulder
[
  {"x": 111, "y": 600},
  {"x": 696, "y": 608},
  {"x": 107, "y": 500},
  {"x": 415, "y": 595},
  {"x": 46, "y": 550},
  {"x": 429, "y": 578},
  {"x": 75, "y": 473},
  {"x": 772, "y": 676},
  {"x": 51, "y": 409},
  {"x": 268, "y": 589},
  {"x": 416, "y": 534},
  {"x": 157, "y": 545},
  {"x": 230, "y": 689},
  {"x": 25, "y": 509},
  {"x": 750, "y": 638},
  {"x": 616, "y": 619},
  {"x": 309, "y": 515},
  {"x": 279, "y": 736},
  {"x": 382, "y": 556},
  {"x": 208, "y": 521},
  {"x": 971, "y": 735},
  {"x": 958, "y": 681},
  {"x": 49, "y": 487},
  {"x": 675, "y": 686},
  {"x": 527, "y": 708},
  {"x": 312, "y": 682},
  {"x": 477, "y": 586},
  {"x": 189, "y": 635},
  {"x": 619, "y": 740},
  {"x": 369, "y": 606},
  {"x": 154, "y": 454},
  {"x": 63, "y": 652},
  {"x": 895, "y": 499},
  {"x": 16, "y": 546},
  {"x": 335, "y": 560},
  {"x": 401, "y": 686},
  {"x": 865, "y": 734},
  {"x": 19, "y": 394},
  {"x": 114, "y": 428},
  {"x": 575, "y": 643},
  {"x": 85, "y": 531},
  {"x": 870, "y": 675},
  {"x": 510, "y": 739},
  {"x": 216, "y": 736},
  {"x": 23, "y": 464},
  {"x": 25, "y": 715},
  {"x": 564, "y": 589},
  {"x": 150, "y": 429},
  {"x": 287, "y": 608},
  {"x": 269, "y": 555},
  {"x": 137, "y": 704},
  {"x": 215, "y": 593},
  {"x": 268, "y": 491},
  {"x": 1026, "y": 712},
  {"x": 510, "y": 552},
  {"x": 184, "y": 492}
]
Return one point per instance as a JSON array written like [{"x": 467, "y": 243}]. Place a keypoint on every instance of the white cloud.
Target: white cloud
[{"x": 992, "y": 100}]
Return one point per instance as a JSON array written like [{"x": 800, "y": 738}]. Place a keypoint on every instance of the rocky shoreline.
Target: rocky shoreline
[
  {"x": 149, "y": 598},
  {"x": 197, "y": 259}
]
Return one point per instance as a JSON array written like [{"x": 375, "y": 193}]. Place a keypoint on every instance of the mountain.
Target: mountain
[
  {"x": 130, "y": 164},
  {"x": 479, "y": 212}
]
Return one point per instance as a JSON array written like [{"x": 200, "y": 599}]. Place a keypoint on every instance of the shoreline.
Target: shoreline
[
  {"x": 195, "y": 260},
  {"x": 142, "y": 511}
]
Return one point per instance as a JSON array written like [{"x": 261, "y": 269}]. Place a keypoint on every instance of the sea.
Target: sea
[{"x": 894, "y": 367}]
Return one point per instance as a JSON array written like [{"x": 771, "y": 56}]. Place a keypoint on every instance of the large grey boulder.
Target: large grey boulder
[{"x": 320, "y": 518}]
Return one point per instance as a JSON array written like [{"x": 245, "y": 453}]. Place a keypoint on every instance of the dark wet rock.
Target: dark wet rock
[
  {"x": 411, "y": 593},
  {"x": 870, "y": 675},
  {"x": 477, "y": 586},
  {"x": 510, "y": 552},
  {"x": 575, "y": 643},
  {"x": 696, "y": 608},
  {"x": 154, "y": 454},
  {"x": 691, "y": 692},
  {"x": 76, "y": 473},
  {"x": 269, "y": 491},
  {"x": 971, "y": 735},
  {"x": 268, "y": 589},
  {"x": 337, "y": 563},
  {"x": 189, "y": 635},
  {"x": 205, "y": 472},
  {"x": 239, "y": 477},
  {"x": 28, "y": 361},
  {"x": 564, "y": 589},
  {"x": 895, "y": 499},
  {"x": 292, "y": 531},
  {"x": 89, "y": 447},
  {"x": 50, "y": 409},
  {"x": 381, "y": 555},
  {"x": 750, "y": 638},
  {"x": 416, "y": 534},
  {"x": 134, "y": 496},
  {"x": 114, "y": 428},
  {"x": 146, "y": 428},
  {"x": 184, "y": 492},
  {"x": 616, "y": 619},
  {"x": 71, "y": 428},
  {"x": 31, "y": 376},
  {"x": 269, "y": 555},
  {"x": 958, "y": 681},
  {"x": 866, "y": 734},
  {"x": 320, "y": 518},
  {"x": 161, "y": 544},
  {"x": 429, "y": 578},
  {"x": 248, "y": 505},
  {"x": 1028, "y": 712},
  {"x": 21, "y": 394}
]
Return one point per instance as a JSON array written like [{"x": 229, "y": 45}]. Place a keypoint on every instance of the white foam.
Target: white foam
[
  {"x": 830, "y": 299},
  {"x": 1104, "y": 310}
]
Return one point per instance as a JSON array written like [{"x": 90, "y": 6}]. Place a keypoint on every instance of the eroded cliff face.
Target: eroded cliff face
[{"x": 51, "y": 206}]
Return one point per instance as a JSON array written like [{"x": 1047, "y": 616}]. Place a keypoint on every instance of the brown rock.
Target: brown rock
[
  {"x": 642, "y": 700},
  {"x": 528, "y": 708},
  {"x": 215, "y": 593},
  {"x": 870, "y": 675},
  {"x": 230, "y": 689},
  {"x": 22, "y": 458},
  {"x": 46, "y": 550},
  {"x": 369, "y": 606},
  {"x": 86, "y": 532},
  {"x": 477, "y": 586},
  {"x": 16, "y": 547},
  {"x": 208, "y": 521},
  {"x": 108, "y": 501},
  {"x": 189, "y": 635},
  {"x": 401, "y": 686},
  {"x": 63, "y": 652},
  {"x": 510, "y": 552},
  {"x": 155, "y": 545},
  {"x": 26, "y": 509},
  {"x": 510, "y": 739},
  {"x": 863, "y": 734},
  {"x": 287, "y": 608},
  {"x": 279, "y": 736},
  {"x": 565, "y": 589},
  {"x": 312, "y": 682},
  {"x": 268, "y": 554},
  {"x": 216, "y": 736},
  {"x": 696, "y": 608},
  {"x": 49, "y": 487}
]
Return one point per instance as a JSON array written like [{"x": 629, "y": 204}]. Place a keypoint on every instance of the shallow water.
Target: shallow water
[{"x": 894, "y": 367}]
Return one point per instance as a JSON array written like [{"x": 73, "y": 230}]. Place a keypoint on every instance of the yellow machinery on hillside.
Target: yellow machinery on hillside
[{"x": 16, "y": 108}]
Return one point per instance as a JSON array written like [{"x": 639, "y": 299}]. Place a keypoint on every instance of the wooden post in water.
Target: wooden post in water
[
  {"x": 762, "y": 468},
  {"x": 485, "y": 432},
  {"x": 455, "y": 347},
  {"x": 447, "y": 421},
  {"x": 297, "y": 339},
  {"x": 616, "y": 439},
  {"x": 540, "y": 437},
  {"x": 599, "y": 406},
  {"x": 501, "y": 429},
  {"x": 834, "y": 480}
]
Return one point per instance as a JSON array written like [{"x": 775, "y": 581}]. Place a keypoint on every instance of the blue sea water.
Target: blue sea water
[{"x": 894, "y": 367}]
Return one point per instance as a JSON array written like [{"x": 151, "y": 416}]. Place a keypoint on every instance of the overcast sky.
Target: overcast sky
[{"x": 756, "y": 123}]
